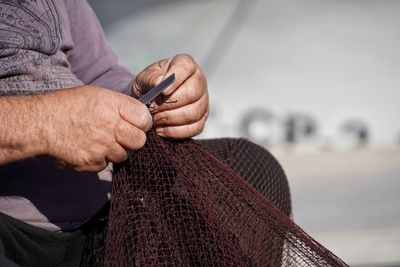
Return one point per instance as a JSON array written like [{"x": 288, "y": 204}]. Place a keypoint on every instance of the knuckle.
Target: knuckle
[
  {"x": 194, "y": 129},
  {"x": 192, "y": 92},
  {"x": 186, "y": 59},
  {"x": 123, "y": 155},
  {"x": 118, "y": 154},
  {"x": 109, "y": 120},
  {"x": 90, "y": 159},
  {"x": 140, "y": 140},
  {"x": 92, "y": 168},
  {"x": 193, "y": 114},
  {"x": 201, "y": 127},
  {"x": 198, "y": 129},
  {"x": 136, "y": 141},
  {"x": 190, "y": 115},
  {"x": 82, "y": 168},
  {"x": 189, "y": 131},
  {"x": 100, "y": 166},
  {"x": 93, "y": 158}
]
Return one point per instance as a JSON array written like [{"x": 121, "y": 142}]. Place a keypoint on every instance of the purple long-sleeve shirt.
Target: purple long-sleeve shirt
[{"x": 51, "y": 45}]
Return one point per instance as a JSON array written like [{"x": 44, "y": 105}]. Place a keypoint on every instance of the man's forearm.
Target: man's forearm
[
  {"x": 84, "y": 127},
  {"x": 22, "y": 120}
]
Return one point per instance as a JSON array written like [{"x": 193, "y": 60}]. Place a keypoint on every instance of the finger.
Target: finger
[
  {"x": 150, "y": 77},
  {"x": 93, "y": 168},
  {"x": 183, "y": 115},
  {"x": 116, "y": 154},
  {"x": 184, "y": 67},
  {"x": 135, "y": 113},
  {"x": 183, "y": 131},
  {"x": 146, "y": 80},
  {"x": 189, "y": 92},
  {"x": 128, "y": 136}
]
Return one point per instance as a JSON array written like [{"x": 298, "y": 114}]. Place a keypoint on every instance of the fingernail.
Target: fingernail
[{"x": 160, "y": 131}]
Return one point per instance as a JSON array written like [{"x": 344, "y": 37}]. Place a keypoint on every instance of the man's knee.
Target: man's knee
[
  {"x": 255, "y": 164},
  {"x": 261, "y": 169}
]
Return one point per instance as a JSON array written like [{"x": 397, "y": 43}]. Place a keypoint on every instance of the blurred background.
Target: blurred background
[{"x": 314, "y": 81}]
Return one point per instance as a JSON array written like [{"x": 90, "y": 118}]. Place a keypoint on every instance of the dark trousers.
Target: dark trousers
[{"x": 24, "y": 245}]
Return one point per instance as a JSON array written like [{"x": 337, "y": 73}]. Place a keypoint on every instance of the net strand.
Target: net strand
[{"x": 173, "y": 203}]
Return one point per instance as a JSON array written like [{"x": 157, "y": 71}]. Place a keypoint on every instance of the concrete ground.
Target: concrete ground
[{"x": 349, "y": 202}]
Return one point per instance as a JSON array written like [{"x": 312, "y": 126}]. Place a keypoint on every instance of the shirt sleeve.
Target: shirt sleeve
[{"x": 91, "y": 58}]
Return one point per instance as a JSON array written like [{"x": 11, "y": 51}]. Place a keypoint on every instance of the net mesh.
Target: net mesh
[
  {"x": 256, "y": 165},
  {"x": 173, "y": 203}
]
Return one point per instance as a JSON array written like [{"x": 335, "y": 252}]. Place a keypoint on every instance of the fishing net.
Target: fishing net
[{"x": 173, "y": 203}]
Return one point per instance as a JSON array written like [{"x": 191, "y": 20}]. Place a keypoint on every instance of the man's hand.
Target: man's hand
[
  {"x": 184, "y": 110},
  {"x": 91, "y": 126}
]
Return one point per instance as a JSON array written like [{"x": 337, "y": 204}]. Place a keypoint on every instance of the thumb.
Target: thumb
[
  {"x": 183, "y": 66},
  {"x": 150, "y": 77}
]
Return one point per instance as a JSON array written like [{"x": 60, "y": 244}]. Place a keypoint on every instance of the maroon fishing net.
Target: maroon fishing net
[{"x": 175, "y": 204}]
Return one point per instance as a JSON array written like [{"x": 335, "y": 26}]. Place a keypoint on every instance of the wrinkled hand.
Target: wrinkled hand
[
  {"x": 91, "y": 126},
  {"x": 184, "y": 110}
]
